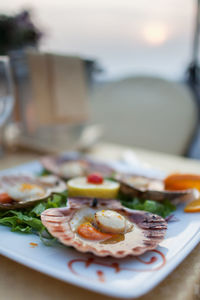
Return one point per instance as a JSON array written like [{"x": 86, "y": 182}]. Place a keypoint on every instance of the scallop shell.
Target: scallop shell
[
  {"x": 51, "y": 184},
  {"x": 149, "y": 229},
  {"x": 153, "y": 190},
  {"x": 53, "y": 164}
]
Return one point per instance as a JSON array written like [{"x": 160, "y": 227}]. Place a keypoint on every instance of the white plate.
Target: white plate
[{"x": 127, "y": 278}]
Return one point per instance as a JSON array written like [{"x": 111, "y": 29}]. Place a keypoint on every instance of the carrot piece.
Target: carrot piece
[
  {"x": 5, "y": 198},
  {"x": 87, "y": 231},
  {"x": 193, "y": 206},
  {"x": 175, "y": 182}
]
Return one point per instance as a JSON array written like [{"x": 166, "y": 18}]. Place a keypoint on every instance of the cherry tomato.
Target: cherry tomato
[{"x": 95, "y": 178}]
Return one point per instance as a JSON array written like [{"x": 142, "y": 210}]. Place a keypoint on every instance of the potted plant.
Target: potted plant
[{"x": 18, "y": 32}]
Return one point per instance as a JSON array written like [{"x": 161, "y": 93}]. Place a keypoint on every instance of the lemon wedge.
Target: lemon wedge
[{"x": 79, "y": 187}]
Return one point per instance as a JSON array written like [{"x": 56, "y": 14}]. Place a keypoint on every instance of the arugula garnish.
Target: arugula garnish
[
  {"x": 28, "y": 220},
  {"x": 162, "y": 209}
]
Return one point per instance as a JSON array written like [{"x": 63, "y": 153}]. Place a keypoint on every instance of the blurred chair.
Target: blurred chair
[{"x": 146, "y": 112}]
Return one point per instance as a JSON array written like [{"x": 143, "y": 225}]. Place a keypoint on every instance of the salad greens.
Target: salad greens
[
  {"x": 28, "y": 220},
  {"x": 162, "y": 209}
]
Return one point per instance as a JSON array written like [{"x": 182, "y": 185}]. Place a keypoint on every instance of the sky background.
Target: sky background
[{"x": 126, "y": 37}]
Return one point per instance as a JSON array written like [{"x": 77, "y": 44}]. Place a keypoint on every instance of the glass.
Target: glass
[{"x": 6, "y": 95}]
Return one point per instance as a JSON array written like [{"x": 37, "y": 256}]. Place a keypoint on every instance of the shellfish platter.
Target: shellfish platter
[{"x": 131, "y": 254}]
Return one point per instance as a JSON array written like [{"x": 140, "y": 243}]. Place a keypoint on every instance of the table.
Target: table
[{"x": 21, "y": 283}]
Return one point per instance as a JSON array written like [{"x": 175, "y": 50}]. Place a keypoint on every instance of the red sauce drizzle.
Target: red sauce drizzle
[
  {"x": 151, "y": 261},
  {"x": 116, "y": 266},
  {"x": 89, "y": 262},
  {"x": 101, "y": 276}
]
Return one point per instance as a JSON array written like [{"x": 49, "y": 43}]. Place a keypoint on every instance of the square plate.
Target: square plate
[{"x": 127, "y": 278}]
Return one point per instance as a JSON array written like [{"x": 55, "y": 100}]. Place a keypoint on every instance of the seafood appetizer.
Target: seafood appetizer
[
  {"x": 19, "y": 191},
  {"x": 67, "y": 166},
  {"x": 153, "y": 189},
  {"x": 94, "y": 221},
  {"x": 104, "y": 227},
  {"x": 114, "y": 217}
]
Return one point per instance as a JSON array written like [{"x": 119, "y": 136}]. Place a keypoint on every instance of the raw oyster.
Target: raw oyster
[
  {"x": 152, "y": 189},
  {"x": 67, "y": 166},
  {"x": 27, "y": 190}
]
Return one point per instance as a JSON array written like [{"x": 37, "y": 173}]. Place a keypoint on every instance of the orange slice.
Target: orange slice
[
  {"x": 193, "y": 206},
  {"x": 175, "y": 182}
]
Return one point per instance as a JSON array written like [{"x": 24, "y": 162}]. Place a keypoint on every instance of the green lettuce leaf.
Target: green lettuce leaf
[
  {"x": 162, "y": 209},
  {"x": 28, "y": 220}
]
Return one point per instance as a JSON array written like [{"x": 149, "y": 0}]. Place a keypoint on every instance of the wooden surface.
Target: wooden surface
[{"x": 21, "y": 283}]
